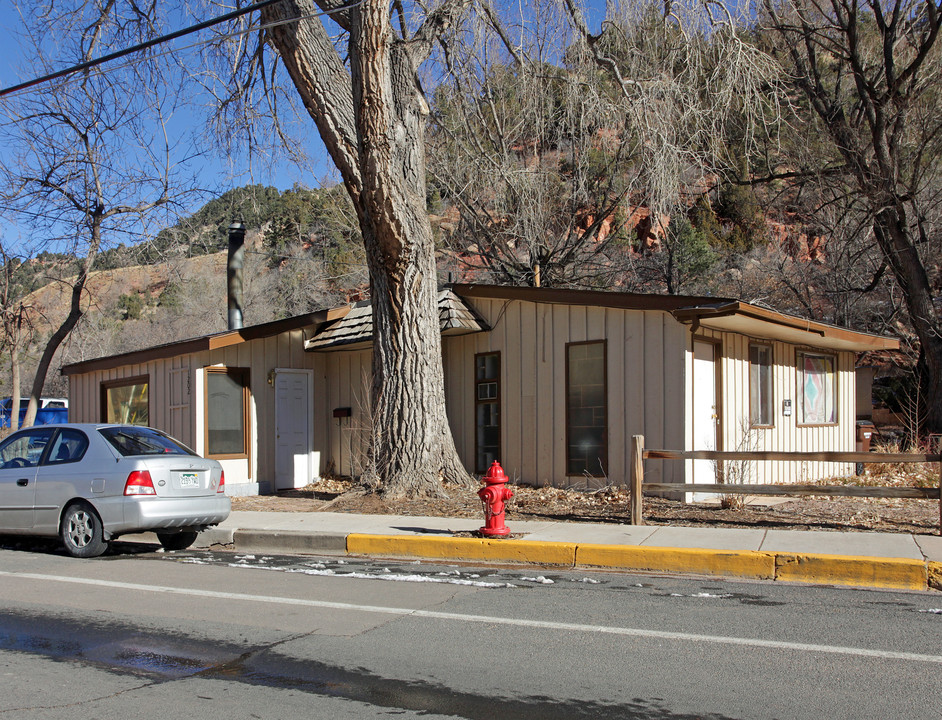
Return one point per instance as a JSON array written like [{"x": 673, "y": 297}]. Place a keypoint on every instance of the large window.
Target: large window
[
  {"x": 586, "y": 414},
  {"x": 760, "y": 386},
  {"x": 125, "y": 401},
  {"x": 818, "y": 389},
  {"x": 487, "y": 410},
  {"x": 227, "y": 412}
]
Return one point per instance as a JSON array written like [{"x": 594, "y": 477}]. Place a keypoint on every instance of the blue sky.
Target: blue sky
[
  {"x": 283, "y": 175},
  {"x": 213, "y": 173}
]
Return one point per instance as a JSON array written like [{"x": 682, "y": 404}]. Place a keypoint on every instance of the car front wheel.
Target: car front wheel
[
  {"x": 82, "y": 533},
  {"x": 178, "y": 540}
]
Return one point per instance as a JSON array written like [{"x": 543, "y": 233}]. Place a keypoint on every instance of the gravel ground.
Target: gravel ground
[{"x": 611, "y": 505}]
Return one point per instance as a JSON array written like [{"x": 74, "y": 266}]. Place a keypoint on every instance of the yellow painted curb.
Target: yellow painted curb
[
  {"x": 900, "y": 574},
  {"x": 528, "y": 551},
  {"x": 896, "y": 573},
  {"x": 935, "y": 575},
  {"x": 744, "y": 563}
]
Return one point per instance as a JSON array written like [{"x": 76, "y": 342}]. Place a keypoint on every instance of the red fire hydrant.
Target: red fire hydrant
[{"x": 493, "y": 496}]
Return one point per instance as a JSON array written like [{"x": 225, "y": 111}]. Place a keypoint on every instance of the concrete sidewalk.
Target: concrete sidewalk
[{"x": 882, "y": 560}]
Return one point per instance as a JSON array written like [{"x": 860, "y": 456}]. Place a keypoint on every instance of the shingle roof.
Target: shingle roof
[{"x": 355, "y": 329}]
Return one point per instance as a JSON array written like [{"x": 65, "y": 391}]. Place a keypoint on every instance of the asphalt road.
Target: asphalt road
[{"x": 140, "y": 634}]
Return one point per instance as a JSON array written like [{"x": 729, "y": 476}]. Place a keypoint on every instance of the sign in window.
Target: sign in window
[{"x": 818, "y": 387}]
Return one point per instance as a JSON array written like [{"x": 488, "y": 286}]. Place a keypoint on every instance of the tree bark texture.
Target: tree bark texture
[
  {"x": 67, "y": 325},
  {"x": 372, "y": 121}
]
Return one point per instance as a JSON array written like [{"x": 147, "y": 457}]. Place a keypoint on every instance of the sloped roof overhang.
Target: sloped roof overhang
[
  {"x": 721, "y": 314},
  {"x": 762, "y": 324},
  {"x": 206, "y": 342}
]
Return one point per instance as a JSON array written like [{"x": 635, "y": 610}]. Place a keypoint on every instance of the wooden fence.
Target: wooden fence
[{"x": 638, "y": 487}]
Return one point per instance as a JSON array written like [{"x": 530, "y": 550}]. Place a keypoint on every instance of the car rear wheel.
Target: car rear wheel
[
  {"x": 82, "y": 533},
  {"x": 178, "y": 540}
]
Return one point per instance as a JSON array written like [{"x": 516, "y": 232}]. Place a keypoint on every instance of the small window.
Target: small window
[
  {"x": 487, "y": 410},
  {"x": 586, "y": 411},
  {"x": 817, "y": 389},
  {"x": 227, "y": 412},
  {"x": 69, "y": 446},
  {"x": 126, "y": 401},
  {"x": 760, "y": 385}
]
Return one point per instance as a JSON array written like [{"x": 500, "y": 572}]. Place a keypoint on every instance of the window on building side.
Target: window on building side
[
  {"x": 487, "y": 410},
  {"x": 227, "y": 412},
  {"x": 760, "y": 385},
  {"x": 817, "y": 389},
  {"x": 586, "y": 421},
  {"x": 126, "y": 401}
]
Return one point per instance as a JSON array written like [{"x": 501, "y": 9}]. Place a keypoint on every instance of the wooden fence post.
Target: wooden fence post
[{"x": 637, "y": 478}]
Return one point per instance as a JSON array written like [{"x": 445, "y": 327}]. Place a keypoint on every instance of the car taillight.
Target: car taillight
[
  {"x": 139, "y": 483},
  {"x": 222, "y": 482}
]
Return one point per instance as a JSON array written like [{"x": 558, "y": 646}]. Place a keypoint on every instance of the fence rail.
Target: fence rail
[{"x": 638, "y": 487}]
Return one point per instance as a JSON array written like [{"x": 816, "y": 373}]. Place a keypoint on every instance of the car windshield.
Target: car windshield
[{"x": 131, "y": 441}]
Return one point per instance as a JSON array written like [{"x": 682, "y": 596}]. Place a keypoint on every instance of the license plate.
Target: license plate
[{"x": 189, "y": 480}]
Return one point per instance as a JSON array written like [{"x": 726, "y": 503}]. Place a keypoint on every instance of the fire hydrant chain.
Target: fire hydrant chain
[{"x": 493, "y": 498}]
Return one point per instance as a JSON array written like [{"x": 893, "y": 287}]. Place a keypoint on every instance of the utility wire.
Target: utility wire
[
  {"x": 137, "y": 48},
  {"x": 173, "y": 36}
]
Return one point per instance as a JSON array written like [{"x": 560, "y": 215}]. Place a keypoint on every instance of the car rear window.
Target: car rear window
[{"x": 133, "y": 441}]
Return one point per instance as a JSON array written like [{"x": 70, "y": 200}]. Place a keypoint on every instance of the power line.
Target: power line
[
  {"x": 137, "y": 48},
  {"x": 173, "y": 36}
]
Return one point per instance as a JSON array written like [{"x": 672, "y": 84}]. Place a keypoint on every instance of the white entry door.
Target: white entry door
[
  {"x": 293, "y": 436},
  {"x": 705, "y": 414}
]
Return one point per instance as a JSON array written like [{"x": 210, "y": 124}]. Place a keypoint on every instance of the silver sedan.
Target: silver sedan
[{"x": 89, "y": 484}]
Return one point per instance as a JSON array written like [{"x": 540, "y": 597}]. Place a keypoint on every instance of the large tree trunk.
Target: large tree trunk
[
  {"x": 372, "y": 121},
  {"x": 893, "y": 237},
  {"x": 872, "y": 102},
  {"x": 67, "y": 325}
]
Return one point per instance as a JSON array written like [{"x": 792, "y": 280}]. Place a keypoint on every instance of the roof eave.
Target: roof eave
[
  {"x": 760, "y": 323},
  {"x": 223, "y": 339}
]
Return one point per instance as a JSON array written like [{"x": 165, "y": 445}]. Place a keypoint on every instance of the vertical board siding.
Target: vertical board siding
[
  {"x": 642, "y": 351},
  {"x": 786, "y": 435},
  {"x": 618, "y": 377},
  {"x": 648, "y": 356},
  {"x": 347, "y": 385},
  {"x": 512, "y": 422}
]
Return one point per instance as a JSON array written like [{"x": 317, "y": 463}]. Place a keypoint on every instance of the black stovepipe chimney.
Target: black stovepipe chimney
[{"x": 234, "y": 273}]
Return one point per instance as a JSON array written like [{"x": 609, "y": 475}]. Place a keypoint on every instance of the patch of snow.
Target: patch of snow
[
  {"x": 450, "y": 580},
  {"x": 539, "y": 579},
  {"x": 321, "y": 570},
  {"x": 713, "y": 596}
]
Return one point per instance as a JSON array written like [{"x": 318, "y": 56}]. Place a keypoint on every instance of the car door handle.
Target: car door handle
[{"x": 23, "y": 482}]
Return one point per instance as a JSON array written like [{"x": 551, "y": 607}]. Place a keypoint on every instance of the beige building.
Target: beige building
[{"x": 552, "y": 383}]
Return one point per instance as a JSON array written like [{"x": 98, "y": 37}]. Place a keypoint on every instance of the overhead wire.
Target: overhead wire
[{"x": 173, "y": 36}]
